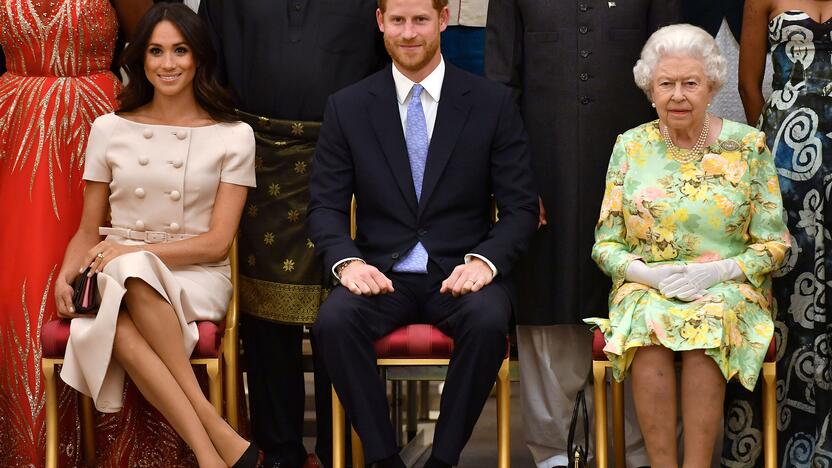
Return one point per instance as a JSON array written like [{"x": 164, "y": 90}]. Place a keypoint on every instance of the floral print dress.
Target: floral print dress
[{"x": 725, "y": 206}]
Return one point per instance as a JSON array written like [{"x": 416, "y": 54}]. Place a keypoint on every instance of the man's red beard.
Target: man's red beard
[{"x": 411, "y": 62}]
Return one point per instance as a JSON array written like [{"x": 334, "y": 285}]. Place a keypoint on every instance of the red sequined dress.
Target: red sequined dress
[{"x": 58, "y": 55}]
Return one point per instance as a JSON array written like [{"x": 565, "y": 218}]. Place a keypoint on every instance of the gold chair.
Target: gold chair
[
  {"x": 217, "y": 350},
  {"x": 431, "y": 354},
  {"x": 600, "y": 363}
]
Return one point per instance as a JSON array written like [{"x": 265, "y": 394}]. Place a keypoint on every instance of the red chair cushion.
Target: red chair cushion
[
  {"x": 55, "y": 335},
  {"x": 598, "y": 344},
  {"x": 418, "y": 341},
  {"x": 53, "y": 338}
]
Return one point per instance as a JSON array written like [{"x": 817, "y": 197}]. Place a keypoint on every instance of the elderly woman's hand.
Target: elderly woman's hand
[
  {"x": 639, "y": 272},
  {"x": 103, "y": 253},
  {"x": 696, "y": 278}
]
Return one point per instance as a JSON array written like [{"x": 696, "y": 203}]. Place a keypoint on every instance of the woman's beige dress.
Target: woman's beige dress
[{"x": 162, "y": 178}]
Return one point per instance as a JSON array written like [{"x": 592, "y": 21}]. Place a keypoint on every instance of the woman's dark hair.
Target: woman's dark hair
[{"x": 209, "y": 93}]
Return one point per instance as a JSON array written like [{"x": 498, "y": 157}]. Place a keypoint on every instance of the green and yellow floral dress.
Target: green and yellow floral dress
[{"x": 725, "y": 206}]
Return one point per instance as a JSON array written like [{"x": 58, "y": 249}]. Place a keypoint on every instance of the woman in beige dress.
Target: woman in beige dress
[{"x": 172, "y": 169}]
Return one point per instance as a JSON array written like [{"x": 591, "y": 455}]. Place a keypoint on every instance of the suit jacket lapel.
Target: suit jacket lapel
[
  {"x": 388, "y": 126},
  {"x": 450, "y": 118}
]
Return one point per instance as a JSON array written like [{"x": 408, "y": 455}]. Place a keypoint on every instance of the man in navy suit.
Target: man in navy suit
[{"x": 423, "y": 146}]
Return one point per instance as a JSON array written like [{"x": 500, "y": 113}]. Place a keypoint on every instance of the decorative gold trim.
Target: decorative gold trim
[{"x": 280, "y": 302}]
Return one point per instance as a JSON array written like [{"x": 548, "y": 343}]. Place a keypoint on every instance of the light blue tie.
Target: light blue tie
[{"x": 416, "y": 136}]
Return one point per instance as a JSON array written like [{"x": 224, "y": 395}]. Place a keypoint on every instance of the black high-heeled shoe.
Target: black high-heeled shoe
[{"x": 251, "y": 458}]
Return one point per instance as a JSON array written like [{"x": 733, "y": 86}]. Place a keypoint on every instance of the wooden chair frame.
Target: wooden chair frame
[
  {"x": 222, "y": 372},
  {"x": 503, "y": 399},
  {"x": 599, "y": 368}
]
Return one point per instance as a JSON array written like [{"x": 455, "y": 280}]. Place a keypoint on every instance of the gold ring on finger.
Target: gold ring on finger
[{"x": 100, "y": 256}]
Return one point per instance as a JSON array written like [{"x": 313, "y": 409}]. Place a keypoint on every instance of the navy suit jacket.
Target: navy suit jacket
[{"x": 478, "y": 148}]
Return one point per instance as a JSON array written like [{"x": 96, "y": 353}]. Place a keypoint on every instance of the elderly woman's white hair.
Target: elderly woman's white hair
[{"x": 681, "y": 40}]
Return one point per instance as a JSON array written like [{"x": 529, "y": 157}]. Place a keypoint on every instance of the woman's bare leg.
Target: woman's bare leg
[
  {"x": 654, "y": 395},
  {"x": 158, "y": 386},
  {"x": 703, "y": 394},
  {"x": 157, "y": 322}
]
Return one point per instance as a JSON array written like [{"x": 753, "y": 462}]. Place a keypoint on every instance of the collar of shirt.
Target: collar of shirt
[
  {"x": 432, "y": 83},
  {"x": 430, "y": 96}
]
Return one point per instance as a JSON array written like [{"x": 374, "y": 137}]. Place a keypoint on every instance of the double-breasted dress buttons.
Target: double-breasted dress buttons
[
  {"x": 175, "y": 195},
  {"x": 140, "y": 225},
  {"x": 177, "y": 163},
  {"x": 181, "y": 134},
  {"x": 174, "y": 227},
  {"x": 139, "y": 192},
  {"x": 147, "y": 133},
  {"x": 143, "y": 160}
]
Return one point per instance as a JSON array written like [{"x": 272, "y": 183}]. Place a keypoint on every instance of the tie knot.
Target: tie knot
[{"x": 416, "y": 91}]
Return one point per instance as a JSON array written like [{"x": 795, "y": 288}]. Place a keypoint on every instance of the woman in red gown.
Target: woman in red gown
[{"x": 58, "y": 55}]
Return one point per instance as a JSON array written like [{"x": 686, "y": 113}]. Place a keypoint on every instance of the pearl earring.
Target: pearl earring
[{"x": 653, "y": 104}]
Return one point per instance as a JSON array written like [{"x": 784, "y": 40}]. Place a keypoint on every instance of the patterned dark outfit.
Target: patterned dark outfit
[
  {"x": 797, "y": 120},
  {"x": 283, "y": 59}
]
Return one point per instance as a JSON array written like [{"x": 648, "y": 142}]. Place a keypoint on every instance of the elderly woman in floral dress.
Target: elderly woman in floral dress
[{"x": 690, "y": 230}]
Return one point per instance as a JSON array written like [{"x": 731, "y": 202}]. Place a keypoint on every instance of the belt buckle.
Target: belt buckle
[{"x": 155, "y": 237}]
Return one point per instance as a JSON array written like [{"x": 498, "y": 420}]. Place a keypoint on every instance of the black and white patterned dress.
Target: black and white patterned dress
[{"x": 797, "y": 120}]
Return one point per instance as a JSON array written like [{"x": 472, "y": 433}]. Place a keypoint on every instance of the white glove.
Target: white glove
[
  {"x": 696, "y": 278},
  {"x": 639, "y": 272}
]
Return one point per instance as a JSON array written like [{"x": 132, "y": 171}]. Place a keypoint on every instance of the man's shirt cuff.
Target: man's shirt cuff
[
  {"x": 469, "y": 256},
  {"x": 335, "y": 267}
]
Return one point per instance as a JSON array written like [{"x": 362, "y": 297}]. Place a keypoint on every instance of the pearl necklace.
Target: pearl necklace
[{"x": 695, "y": 152}]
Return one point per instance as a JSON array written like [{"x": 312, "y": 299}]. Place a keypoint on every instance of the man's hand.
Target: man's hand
[
  {"x": 365, "y": 280},
  {"x": 469, "y": 277},
  {"x": 541, "y": 220}
]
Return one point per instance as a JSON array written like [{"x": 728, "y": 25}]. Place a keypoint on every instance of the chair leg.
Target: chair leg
[
  {"x": 50, "y": 378},
  {"x": 88, "y": 429},
  {"x": 770, "y": 414},
  {"x": 357, "y": 449},
  {"x": 231, "y": 380},
  {"x": 617, "y": 390},
  {"x": 339, "y": 457},
  {"x": 599, "y": 370},
  {"x": 212, "y": 367},
  {"x": 503, "y": 416}
]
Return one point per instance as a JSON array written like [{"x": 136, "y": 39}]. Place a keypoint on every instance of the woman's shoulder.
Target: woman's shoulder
[
  {"x": 647, "y": 131},
  {"x": 734, "y": 130},
  {"x": 237, "y": 131},
  {"x": 106, "y": 120},
  {"x": 745, "y": 136}
]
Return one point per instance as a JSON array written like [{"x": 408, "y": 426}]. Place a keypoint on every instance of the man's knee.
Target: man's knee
[
  {"x": 335, "y": 314},
  {"x": 487, "y": 311}
]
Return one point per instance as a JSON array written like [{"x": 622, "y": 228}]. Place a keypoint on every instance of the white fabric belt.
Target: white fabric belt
[{"x": 150, "y": 237}]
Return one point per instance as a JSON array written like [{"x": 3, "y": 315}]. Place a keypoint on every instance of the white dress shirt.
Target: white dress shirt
[{"x": 432, "y": 85}]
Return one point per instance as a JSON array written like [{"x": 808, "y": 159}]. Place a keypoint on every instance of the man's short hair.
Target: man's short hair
[{"x": 438, "y": 5}]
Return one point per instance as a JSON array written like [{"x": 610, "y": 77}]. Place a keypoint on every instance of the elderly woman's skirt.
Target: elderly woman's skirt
[{"x": 731, "y": 324}]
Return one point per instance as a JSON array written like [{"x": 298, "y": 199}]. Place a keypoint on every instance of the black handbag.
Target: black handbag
[
  {"x": 577, "y": 453},
  {"x": 85, "y": 293}
]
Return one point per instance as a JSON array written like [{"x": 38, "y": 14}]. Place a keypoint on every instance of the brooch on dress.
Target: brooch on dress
[{"x": 729, "y": 145}]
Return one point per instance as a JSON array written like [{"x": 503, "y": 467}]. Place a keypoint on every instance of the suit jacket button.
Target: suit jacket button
[
  {"x": 583, "y": 29},
  {"x": 395, "y": 255}
]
